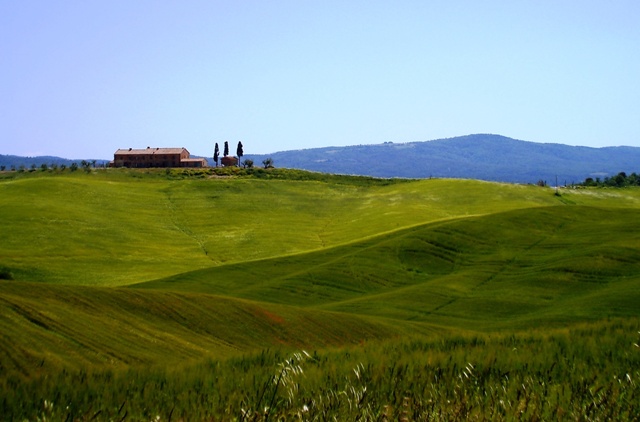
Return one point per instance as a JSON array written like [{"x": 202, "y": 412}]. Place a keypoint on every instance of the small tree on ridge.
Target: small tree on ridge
[
  {"x": 268, "y": 163},
  {"x": 239, "y": 151}
]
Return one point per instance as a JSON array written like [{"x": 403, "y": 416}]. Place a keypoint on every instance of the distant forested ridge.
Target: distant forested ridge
[{"x": 483, "y": 157}]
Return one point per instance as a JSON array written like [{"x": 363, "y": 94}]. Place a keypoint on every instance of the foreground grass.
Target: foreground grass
[{"x": 589, "y": 372}]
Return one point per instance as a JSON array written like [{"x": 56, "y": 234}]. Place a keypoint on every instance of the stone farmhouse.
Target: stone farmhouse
[{"x": 155, "y": 157}]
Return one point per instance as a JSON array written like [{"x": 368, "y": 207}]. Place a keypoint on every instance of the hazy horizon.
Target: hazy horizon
[{"x": 232, "y": 148}]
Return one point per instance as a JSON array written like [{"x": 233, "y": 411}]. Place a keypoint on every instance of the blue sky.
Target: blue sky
[{"x": 80, "y": 79}]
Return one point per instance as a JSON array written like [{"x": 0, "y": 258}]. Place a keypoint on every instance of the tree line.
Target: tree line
[
  {"x": 620, "y": 180},
  {"x": 86, "y": 165}
]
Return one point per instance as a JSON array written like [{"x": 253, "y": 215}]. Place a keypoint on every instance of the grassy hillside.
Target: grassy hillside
[
  {"x": 553, "y": 264},
  {"x": 118, "y": 227},
  {"x": 511, "y": 270},
  {"x": 138, "y": 271},
  {"x": 48, "y": 327}
]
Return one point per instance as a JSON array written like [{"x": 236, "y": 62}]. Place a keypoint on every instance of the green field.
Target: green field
[{"x": 184, "y": 294}]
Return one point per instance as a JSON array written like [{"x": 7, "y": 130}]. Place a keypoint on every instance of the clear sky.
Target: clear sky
[{"x": 80, "y": 79}]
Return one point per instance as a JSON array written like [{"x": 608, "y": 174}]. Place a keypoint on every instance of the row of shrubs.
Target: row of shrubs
[
  {"x": 86, "y": 165},
  {"x": 618, "y": 181}
]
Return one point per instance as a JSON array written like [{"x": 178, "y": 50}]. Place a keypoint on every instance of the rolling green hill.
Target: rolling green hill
[
  {"x": 48, "y": 327},
  {"x": 116, "y": 227},
  {"x": 114, "y": 270},
  {"x": 553, "y": 264}
]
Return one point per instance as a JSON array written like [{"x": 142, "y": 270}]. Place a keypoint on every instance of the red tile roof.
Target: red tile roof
[{"x": 150, "y": 151}]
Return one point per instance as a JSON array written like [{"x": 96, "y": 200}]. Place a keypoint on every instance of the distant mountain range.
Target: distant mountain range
[{"x": 482, "y": 156}]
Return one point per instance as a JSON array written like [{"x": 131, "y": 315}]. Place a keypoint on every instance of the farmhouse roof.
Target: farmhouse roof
[{"x": 150, "y": 151}]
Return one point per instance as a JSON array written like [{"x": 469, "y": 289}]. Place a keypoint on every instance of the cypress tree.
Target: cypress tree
[
  {"x": 216, "y": 154},
  {"x": 239, "y": 152}
]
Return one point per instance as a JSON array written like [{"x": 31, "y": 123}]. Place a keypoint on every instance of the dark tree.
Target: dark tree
[
  {"x": 216, "y": 154},
  {"x": 226, "y": 148},
  {"x": 620, "y": 179},
  {"x": 239, "y": 151}
]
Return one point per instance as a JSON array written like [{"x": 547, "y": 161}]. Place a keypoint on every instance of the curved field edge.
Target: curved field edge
[
  {"x": 113, "y": 228},
  {"x": 501, "y": 271},
  {"x": 46, "y": 328}
]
